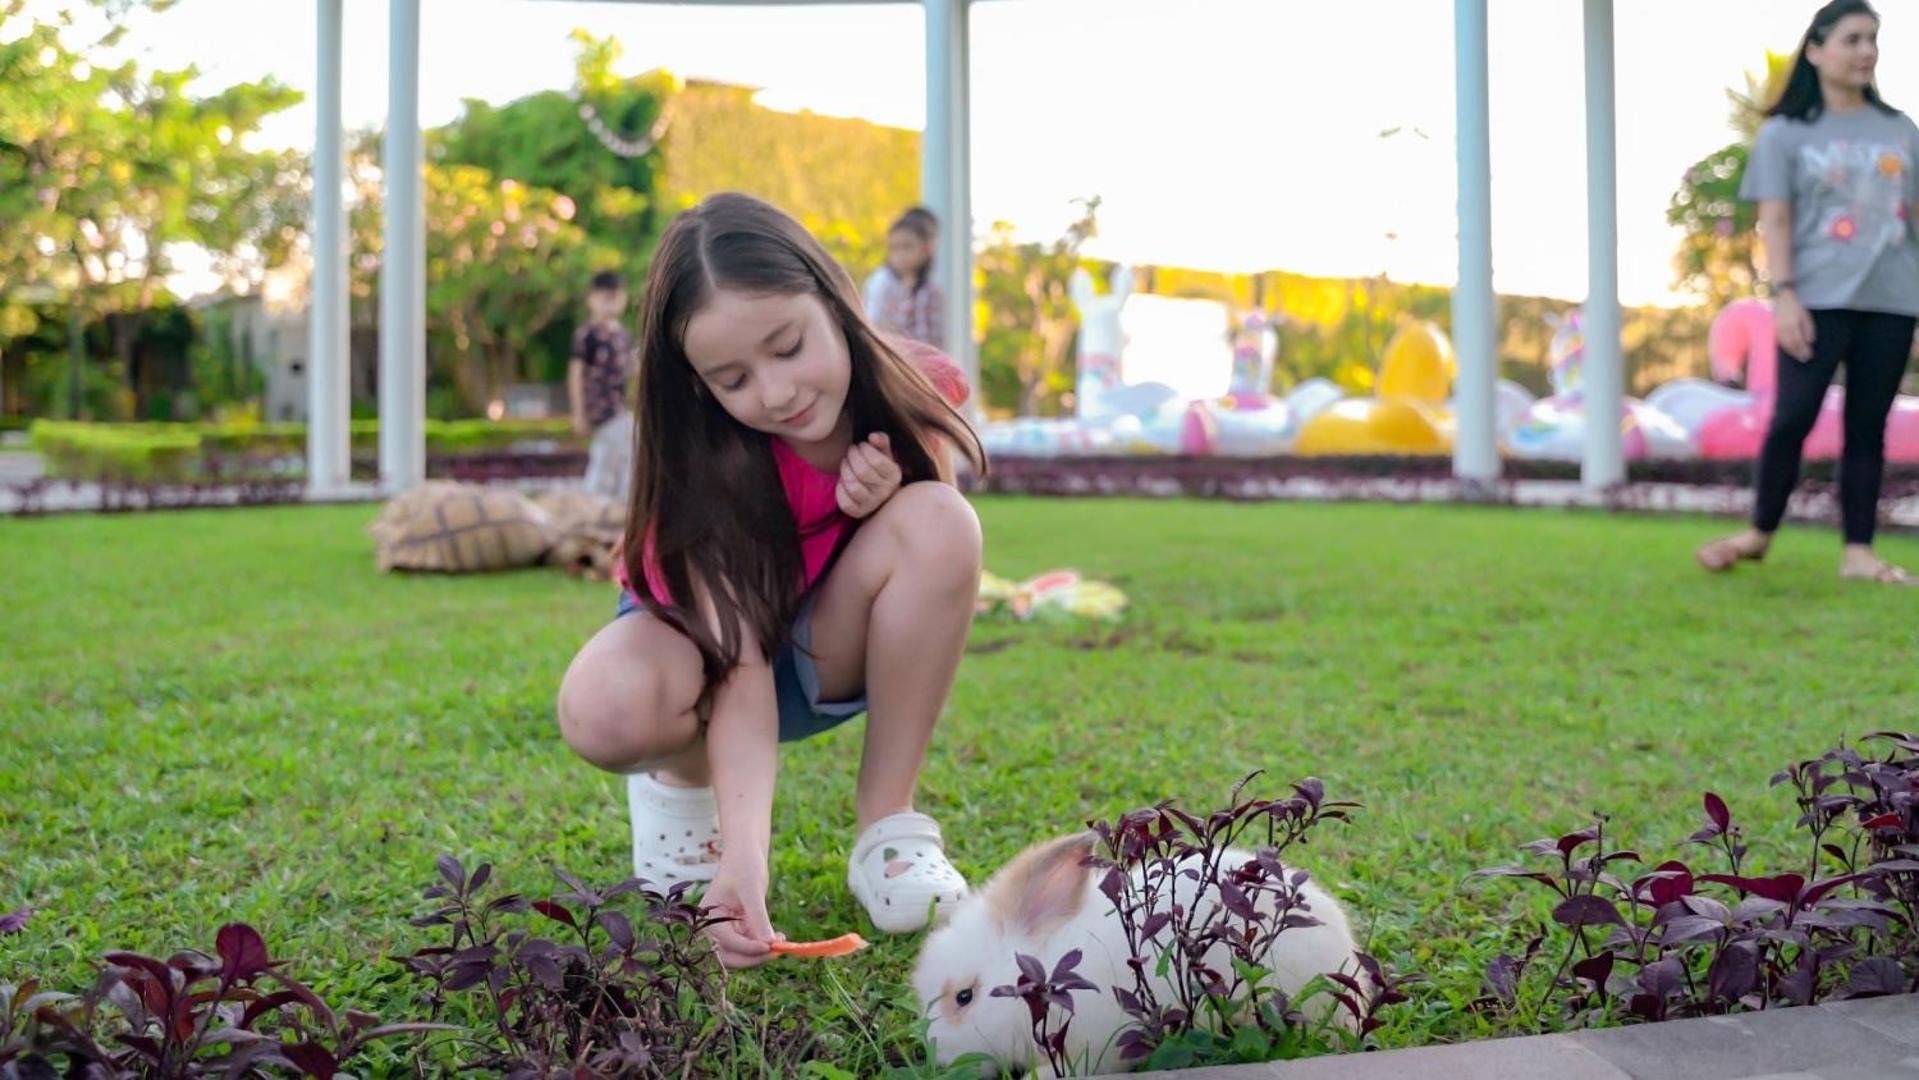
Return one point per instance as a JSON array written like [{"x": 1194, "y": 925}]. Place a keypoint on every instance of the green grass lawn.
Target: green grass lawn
[{"x": 229, "y": 715}]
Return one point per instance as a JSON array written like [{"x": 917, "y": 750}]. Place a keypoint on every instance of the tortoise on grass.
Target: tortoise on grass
[{"x": 469, "y": 528}]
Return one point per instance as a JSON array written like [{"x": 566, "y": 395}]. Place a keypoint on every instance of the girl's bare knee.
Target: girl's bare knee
[
  {"x": 937, "y": 528},
  {"x": 618, "y": 710}
]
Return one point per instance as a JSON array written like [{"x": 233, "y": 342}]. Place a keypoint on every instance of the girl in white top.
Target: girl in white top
[{"x": 901, "y": 297}]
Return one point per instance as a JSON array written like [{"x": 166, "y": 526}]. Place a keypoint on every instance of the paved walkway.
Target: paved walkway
[{"x": 1874, "y": 1039}]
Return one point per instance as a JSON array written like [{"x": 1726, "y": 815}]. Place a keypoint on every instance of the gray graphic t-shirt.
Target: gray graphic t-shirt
[{"x": 1851, "y": 179}]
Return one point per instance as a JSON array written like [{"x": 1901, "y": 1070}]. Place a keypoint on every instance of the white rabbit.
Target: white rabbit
[{"x": 1044, "y": 904}]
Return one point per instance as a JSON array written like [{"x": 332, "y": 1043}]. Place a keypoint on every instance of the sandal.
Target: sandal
[
  {"x": 1720, "y": 556},
  {"x": 900, "y": 874},
  {"x": 1883, "y": 574},
  {"x": 676, "y": 831}
]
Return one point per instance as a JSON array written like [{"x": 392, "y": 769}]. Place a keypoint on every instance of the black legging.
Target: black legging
[{"x": 1874, "y": 347}]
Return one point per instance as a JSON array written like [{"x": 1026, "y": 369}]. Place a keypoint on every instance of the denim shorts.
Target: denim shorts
[{"x": 796, "y": 680}]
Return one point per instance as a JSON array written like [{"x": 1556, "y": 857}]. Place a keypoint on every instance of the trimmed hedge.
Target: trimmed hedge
[
  {"x": 79, "y": 451},
  {"x": 172, "y": 452}
]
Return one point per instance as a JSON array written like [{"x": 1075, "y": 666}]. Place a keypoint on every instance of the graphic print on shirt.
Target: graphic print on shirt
[{"x": 1862, "y": 187}]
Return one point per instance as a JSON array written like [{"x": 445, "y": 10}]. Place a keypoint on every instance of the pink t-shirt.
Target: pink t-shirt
[
  {"x": 815, "y": 510},
  {"x": 809, "y": 492}
]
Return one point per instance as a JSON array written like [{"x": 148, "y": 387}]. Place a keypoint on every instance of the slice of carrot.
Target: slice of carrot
[{"x": 843, "y": 945}]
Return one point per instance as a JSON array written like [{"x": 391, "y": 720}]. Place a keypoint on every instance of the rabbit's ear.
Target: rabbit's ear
[
  {"x": 1121, "y": 282},
  {"x": 1081, "y": 289},
  {"x": 1043, "y": 887}
]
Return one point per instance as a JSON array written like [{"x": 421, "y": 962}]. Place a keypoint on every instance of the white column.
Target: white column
[
  {"x": 946, "y": 172},
  {"x": 329, "y": 376},
  {"x": 403, "y": 264},
  {"x": 1476, "y": 449},
  {"x": 1603, "y": 377}
]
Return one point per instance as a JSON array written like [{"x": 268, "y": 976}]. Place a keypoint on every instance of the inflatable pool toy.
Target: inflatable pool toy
[
  {"x": 1044, "y": 436},
  {"x": 1100, "y": 390},
  {"x": 1109, "y": 415},
  {"x": 1248, "y": 421},
  {"x": 1743, "y": 336},
  {"x": 1409, "y": 414},
  {"x": 1554, "y": 429},
  {"x": 1054, "y": 593},
  {"x": 1743, "y": 341}
]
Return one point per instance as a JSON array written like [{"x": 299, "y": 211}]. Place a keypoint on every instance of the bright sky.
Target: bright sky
[{"x": 1223, "y": 134}]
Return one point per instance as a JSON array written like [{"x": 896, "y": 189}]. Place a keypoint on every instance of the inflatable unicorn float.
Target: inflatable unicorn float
[
  {"x": 1554, "y": 428},
  {"x": 1112, "y": 415},
  {"x": 1731, "y": 424}
]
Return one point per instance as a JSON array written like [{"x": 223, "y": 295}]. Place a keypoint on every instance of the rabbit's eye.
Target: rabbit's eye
[{"x": 964, "y": 997}]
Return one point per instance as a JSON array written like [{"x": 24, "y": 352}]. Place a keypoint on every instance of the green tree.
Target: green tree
[
  {"x": 104, "y": 167},
  {"x": 598, "y": 145},
  {"x": 1716, "y": 257},
  {"x": 1026, "y": 318},
  {"x": 505, "y": 261},
  {"x": 506, "y": 264}
]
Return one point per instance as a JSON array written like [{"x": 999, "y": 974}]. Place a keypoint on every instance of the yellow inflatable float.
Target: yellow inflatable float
[{"x": 1409, "y": 415}]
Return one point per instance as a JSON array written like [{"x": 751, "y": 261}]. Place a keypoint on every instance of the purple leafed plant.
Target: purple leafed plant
[
  {"x": 612, "y": 992},
  {"x": 1201, "y": 991},
  {"x": 1048, "y": 997},
  {"x": 233, "y": 1014},
  {"x": 1674, "y": 941}
]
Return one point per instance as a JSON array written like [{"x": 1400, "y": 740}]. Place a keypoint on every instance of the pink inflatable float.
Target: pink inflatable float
[{"x": 1743, "y": 336}]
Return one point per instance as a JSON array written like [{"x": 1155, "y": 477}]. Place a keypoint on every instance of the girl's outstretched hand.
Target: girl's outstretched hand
[
  {"x": 738, "y": 890},
  {"x": 868, "y": 477}
]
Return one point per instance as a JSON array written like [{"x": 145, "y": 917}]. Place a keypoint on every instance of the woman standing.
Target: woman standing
[{"x": 1833, "y": 174}]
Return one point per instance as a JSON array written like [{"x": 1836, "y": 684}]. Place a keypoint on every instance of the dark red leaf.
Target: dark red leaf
[
  {"x": 1596, "y": 970},
  {"x": 1781, "y": 887},
  {"x": 1585, "y": 911},
  {"x": 1661, "y": 977},
  {"x": 1875, "y": 977},
  {"x": 1708, "y": 907},
  {"x": 1234, "y": 900},
  {"x": 1717, "y": 813},
  {"x": 557, "y": 912},
  {"x": 1798, "y": 986},
  {"x": 1689, "y": 928},
  {"x": 159, "y": 971},
  {"x": 147, "y": 1046},
  {"x": 1518, "y": 872},
  {"x": 451, "y": 870},
  {"x": 618, "y": 928},
  {"x": 1030, "y": 969},
  {"x": 1819, "y": 890},
  {"x": 312, "y": 1059},
  {"x": 261, "y": 1005},
  {"x": 243, "y": 955},
  {"x": 1572, "y": 842},
  {"x": 1734, "y": 972},
  {"x": 1671, "y": 881}
]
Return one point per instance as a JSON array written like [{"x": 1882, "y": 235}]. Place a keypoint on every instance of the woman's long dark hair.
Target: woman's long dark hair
[
  {"x": 1801, "y": 99},
  {"x": 705, "y": 487},
  {"x": 921, "y": 223}
]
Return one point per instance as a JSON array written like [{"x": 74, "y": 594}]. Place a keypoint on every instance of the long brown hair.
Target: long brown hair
[
  {"x": 705, "y": 486},
  {"x": 1802, "y": 98}
]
